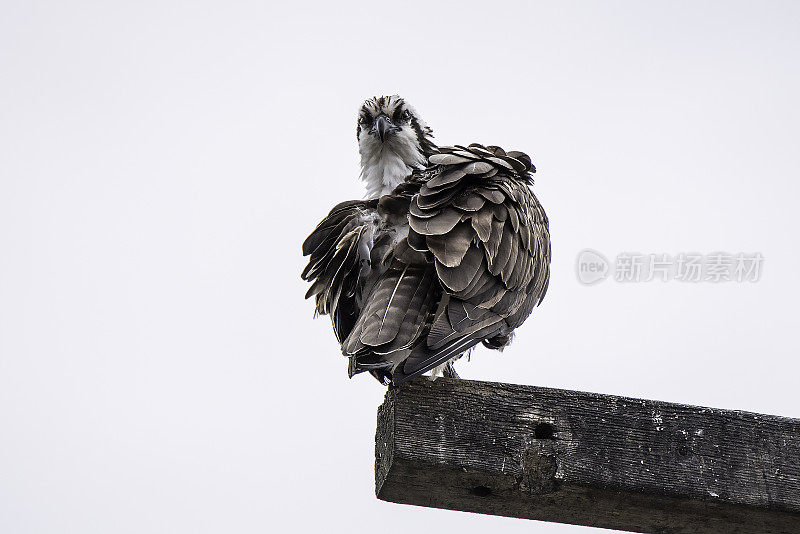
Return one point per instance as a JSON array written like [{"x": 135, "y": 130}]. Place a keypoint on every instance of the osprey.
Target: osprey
[{"x": 449, "y": 249}]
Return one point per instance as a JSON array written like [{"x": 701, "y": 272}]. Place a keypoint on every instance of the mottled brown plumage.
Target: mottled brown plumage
[{"x": 473, "y": 265}]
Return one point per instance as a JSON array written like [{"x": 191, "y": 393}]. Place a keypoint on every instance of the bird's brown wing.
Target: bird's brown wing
[{"x": 339, "y": 261}]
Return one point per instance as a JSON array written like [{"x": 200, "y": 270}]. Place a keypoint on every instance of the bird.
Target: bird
[{"x": 449, "y": 248}]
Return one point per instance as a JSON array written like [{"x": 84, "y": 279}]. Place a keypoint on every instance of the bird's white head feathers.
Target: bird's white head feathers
[{"x": 393, "y": 140}]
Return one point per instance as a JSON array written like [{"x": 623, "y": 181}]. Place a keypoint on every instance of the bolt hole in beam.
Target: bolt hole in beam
[
  {"x": 544, "y": 431},
  {"x": 481, "y": 491}
]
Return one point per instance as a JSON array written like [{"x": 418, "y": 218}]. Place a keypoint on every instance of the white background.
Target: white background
[{"x": 161, "y": 162}]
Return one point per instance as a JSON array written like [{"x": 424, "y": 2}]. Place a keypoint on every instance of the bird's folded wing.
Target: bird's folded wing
[{"x": 488, "y": 238}]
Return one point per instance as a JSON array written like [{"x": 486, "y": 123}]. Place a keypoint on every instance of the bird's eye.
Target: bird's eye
[
  {"x": 362, "y": 119},
  {"x": 406, "y": 115}
]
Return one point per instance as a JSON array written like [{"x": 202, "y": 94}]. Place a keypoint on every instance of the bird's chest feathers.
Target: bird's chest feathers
[
  {"x": 384, "y": 171},
  {"x": 386, "y": 165}
]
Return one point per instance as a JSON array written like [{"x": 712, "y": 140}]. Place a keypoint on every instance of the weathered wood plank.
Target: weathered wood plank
[{"x": 587, "y": 459}]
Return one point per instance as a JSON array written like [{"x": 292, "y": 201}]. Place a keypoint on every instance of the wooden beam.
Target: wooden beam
[{"x": 587, "y": 459}]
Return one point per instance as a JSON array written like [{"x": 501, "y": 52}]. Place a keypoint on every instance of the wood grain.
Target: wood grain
[{"x": 587, "y": 459}]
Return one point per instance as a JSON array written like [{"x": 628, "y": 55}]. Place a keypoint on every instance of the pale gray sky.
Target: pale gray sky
[{"x": 161, "y": 162}]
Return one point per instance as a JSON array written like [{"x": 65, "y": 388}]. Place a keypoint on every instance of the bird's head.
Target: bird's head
[{"x": 391, "y": 134}]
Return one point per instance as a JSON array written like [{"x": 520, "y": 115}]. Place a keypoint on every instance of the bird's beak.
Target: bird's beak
[{"x": 383, "y": 126}]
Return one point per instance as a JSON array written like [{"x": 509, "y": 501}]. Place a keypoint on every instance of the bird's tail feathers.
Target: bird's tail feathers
[{"x": 422, "y": 359}]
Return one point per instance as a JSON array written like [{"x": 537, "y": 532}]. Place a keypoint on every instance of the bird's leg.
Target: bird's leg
[{"x": 450, "y": 371}]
